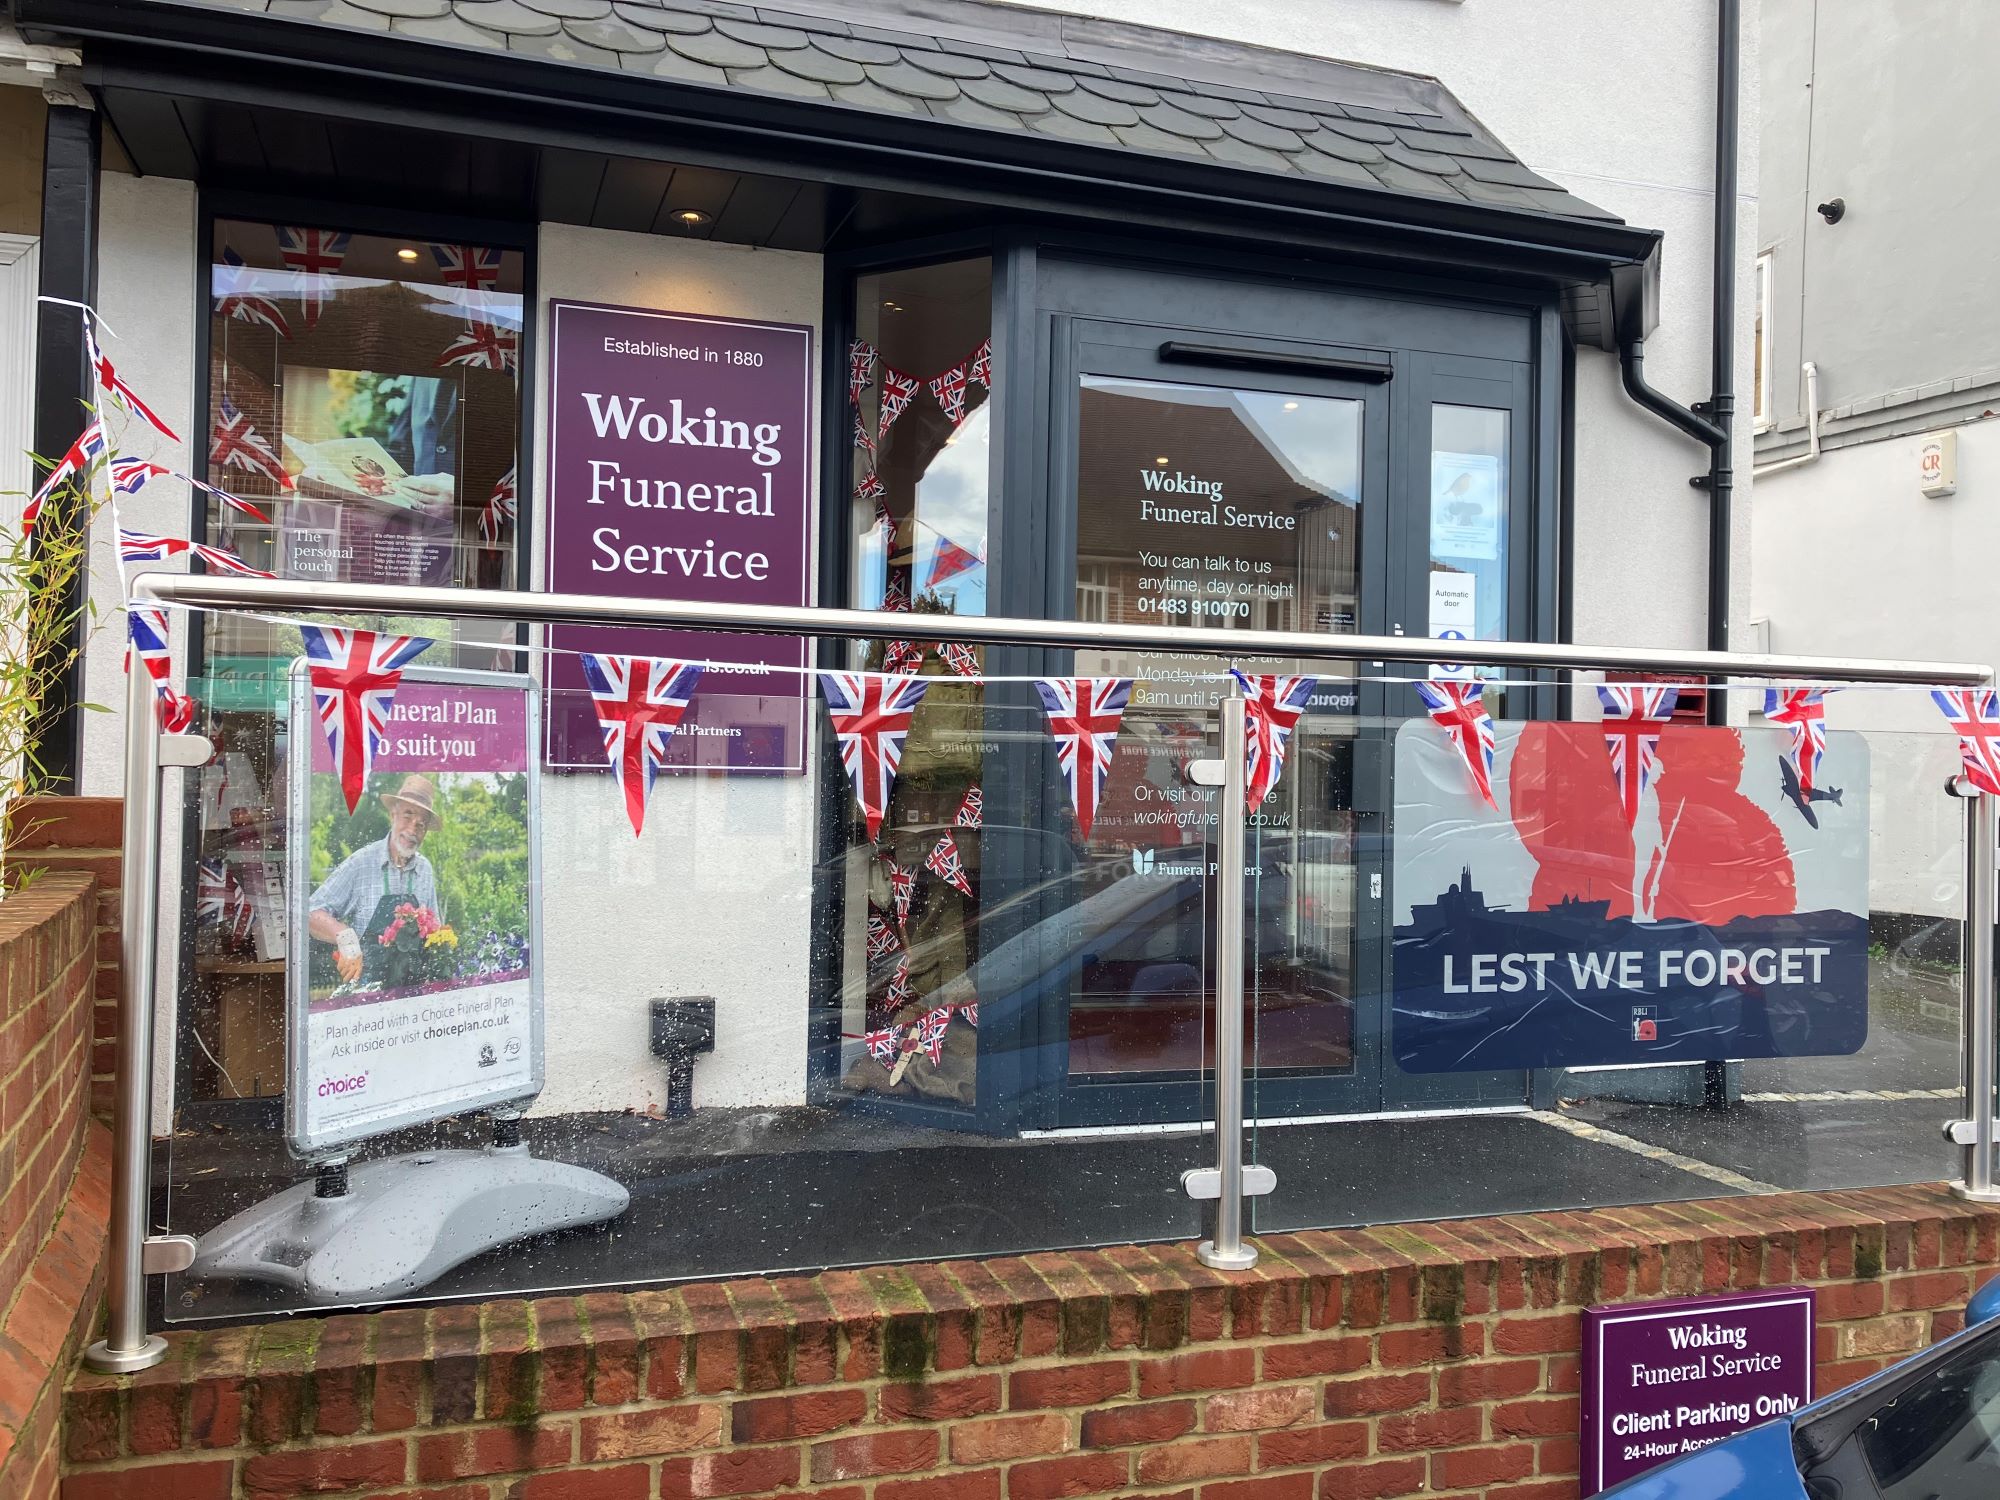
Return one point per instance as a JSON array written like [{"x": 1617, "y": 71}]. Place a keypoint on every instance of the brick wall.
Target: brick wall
[
  {"x": 54, "y": 1166},
  {"x": 85, "y": 834},
  {"x": 1440, "y": 1359}
]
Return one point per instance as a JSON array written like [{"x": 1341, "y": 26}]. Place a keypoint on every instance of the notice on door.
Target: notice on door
[
  {"x": 679, "y": 468},
  {"x": 1661, "y": 1379}
]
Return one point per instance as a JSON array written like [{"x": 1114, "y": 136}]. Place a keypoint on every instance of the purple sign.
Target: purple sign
[
  {"x": 1661, "y": 1379},
  {"x": 680, "y": 468},
  {"x": 438, "y": 727}
]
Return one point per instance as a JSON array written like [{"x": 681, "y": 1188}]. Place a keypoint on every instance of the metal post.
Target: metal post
[
  {"x": 127, "y": 1346},
  {"x": 1977, "y": 984},
  {"x": 1227, "y": 1252}
]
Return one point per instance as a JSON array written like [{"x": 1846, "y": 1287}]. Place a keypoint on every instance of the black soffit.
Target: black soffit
[{"x": 1000, "y": 68}]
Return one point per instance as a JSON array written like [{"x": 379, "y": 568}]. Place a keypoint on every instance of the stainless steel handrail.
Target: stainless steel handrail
[{"x": 128, "y": 1347}]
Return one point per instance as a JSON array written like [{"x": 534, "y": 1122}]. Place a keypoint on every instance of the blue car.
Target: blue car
[{"x": 1927, "y": 1428}]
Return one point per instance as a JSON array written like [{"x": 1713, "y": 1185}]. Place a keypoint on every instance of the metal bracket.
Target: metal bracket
[
  {"x": 1700, "y": 482},
  {"x": 1204, "y": 772},
  {"x": 1958, "y": 1132},
  {"x": 185, "y": 751},
  {"x": 1204, "y": 1184},
  {"x": 1975, "y": 1195},
  {"x": 163, "y": 1254}
]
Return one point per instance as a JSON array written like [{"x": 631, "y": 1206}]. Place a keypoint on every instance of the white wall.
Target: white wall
[
  {"x": 715, "y": 899},
  {"x": 1617, "y": 104}
]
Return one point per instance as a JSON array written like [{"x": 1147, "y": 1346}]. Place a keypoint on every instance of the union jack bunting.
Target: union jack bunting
[
  {"x": 861, "y": 361},
  {"x": 863, "y": 439},
  {"x": 316, "y": 255},
  {"x": 970, "y": 1013},
  {"x": 499, "y": 511},
  {"x": 871, "y": 716},
  {"x": 129, "y": 475},
  {"x": 871, "y": 487},
  {"x": 355, "y": 674},
  {"x": 121, "y": 395},
  {"x": 146, "y": 625},
  {"x": 948, "y": 390},
  {"x": 945, "y": 862},
  {"x": 1459, "y": 709},
  {"x": 146, "y": 546},
  {"x": 882, "y": 939},
  {"x": 980, "y": 366},
  {"x": 902, "y": 886},
  {"x": 886, "y": 1045},
  {"x": 1803, "y": 711},
  {"x": 473, "y": 267},
  {"x": 903, "y": 657},
  {"x": 901, "y": 991},
  {"x": 234, "y": 297},
  {"x": 211, "y": 891},
  {"x": 73, "y": 465},
  {"x": 930, "y": 1033},
  {"x": 482, "y": 346},
  {"x": 1084, "y": 714},
  {"x": 234, "y": 502},
  {"x": 1633, "y": 718},
  {"x": 898, "y": 391},
  {"x": 1271, "y": 710},
  {"x": 971, "y": 809},
  {"x": 639, "y": 701},
  {"x": 961, "y": 658},
  {"x": 176, "y": 711},
  {"x": 241, "y": 913},
  {"x": 950, "y": 560},
  {"x": 896, "y": 596},
  {"x": 239, "y": 445},
  {"x": 1975, "y": 714}
]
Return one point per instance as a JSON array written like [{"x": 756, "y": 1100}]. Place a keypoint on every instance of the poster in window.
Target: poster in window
[{"x": 1465, "y": 505}]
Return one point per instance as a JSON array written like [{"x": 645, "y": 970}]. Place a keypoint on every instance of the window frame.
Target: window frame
[{"x": 1762, "y": 417}]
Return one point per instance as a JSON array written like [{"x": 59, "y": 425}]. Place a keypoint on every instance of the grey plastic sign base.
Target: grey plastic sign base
[{"x": 403, "y": 1222}]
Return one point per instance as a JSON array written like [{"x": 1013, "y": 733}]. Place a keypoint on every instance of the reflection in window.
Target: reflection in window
[
  {"x": 1469, "y": 497},
  {"x": 920, "y": 383}
]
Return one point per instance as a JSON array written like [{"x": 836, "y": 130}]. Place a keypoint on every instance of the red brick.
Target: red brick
[
  {"x": 633, "y": 1482},
  {"x": 1153, "y": 1422},
  {"x": 1556, "y": 1334},
  {"x": 1930, "y": 1289},
  {"x": 491, "y": 1450},
  {"x": 1848, "y": 1299},
  {"x": 1273, "y": 1487},
  {"x": 772, "y": 1419},
  {"x": 1370, "y": 1395},
  {"x": 940, "y": 1400},
  {"x": 1377, "y": 1481},
  {"x": 1312, "y": 1445},
  {"x": 1419, "y": 1431},
  {"x": 1265, "y": 1406},
  {"x": 203, "y": 1479},
  {"x": 1471, "y": 1468},
  {"x": 1335, "y": 1356},
  {"x": 1488, "y": 1381},
  {"x": 872, "y": 1454},
  {"x": 1009, "y": 1437},
  {"x": 1205, "y": 1370},
  {"x": 318, "y": 1471},
  {"x": 1053, "y": 1478},
  {"x": 1556, "y": 1417},
  {"x": 983, "y": 1484},
  {"x": 657, "y": 1429},
  {"x": 1199, "y": 1458},
  {"x": 738, "y": 1471},
  {"x": 1070, "y": 1385}
]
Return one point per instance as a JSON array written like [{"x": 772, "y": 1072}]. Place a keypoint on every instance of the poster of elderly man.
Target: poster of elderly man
[{"x": 414, "y": 987}]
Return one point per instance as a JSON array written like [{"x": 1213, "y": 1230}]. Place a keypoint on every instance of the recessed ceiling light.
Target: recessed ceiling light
[
  {"x": 691, "y": 218},
  {"x": 406, "y": 253},
  {"x": 1291, "y": 406},
  {"x": 1162, "y": 460}
]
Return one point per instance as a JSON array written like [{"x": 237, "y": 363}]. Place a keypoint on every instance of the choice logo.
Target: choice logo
[{"x": 335, "y": 1088}]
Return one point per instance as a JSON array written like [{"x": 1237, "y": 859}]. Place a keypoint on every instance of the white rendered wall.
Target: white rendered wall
[
  {"x": 715, "y": 898},
  {"x": 1616, "y": 103}
]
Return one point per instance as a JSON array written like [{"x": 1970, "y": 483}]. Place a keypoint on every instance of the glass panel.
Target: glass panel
[
  {"x": 1469, "y": 503},
  {"x": 1745, "y": 978},
  {"x": 1201, "y": 505}
]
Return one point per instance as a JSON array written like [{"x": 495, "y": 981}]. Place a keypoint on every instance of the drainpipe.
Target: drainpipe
[
  {"x": 1710, "y": 421},
  {"x": 1811, "y": 372}
]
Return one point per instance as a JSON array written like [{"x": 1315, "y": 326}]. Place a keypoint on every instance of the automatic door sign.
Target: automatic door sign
[
  {"x": 1661, "y": 1379},
  {"x": 1729, "y": 920}
]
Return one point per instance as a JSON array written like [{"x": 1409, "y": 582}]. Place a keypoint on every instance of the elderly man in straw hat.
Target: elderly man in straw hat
[{"x": 356, "y": 903}]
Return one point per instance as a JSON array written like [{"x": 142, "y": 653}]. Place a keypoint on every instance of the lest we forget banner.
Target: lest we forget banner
[
  {"x": 415, "y": 986},
  {"x": 679, "y": 467},
  {"x": 1728, "y": 919}
]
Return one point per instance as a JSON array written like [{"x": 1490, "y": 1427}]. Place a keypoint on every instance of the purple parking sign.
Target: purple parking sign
[
  {"x": 680, "y": 467},
  {"x": 1661, "y": 1379}
]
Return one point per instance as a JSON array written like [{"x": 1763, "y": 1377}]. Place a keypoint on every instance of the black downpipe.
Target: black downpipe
[{"x": 1710, "y": 421}]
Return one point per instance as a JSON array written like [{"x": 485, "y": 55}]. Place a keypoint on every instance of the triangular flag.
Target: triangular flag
[
  {"x": 1084, "y": 715},
  {"x": 639, "y": 702},
  {"x": 1271, "y": 709},
  {"x": 871, "y": 715},
  {"x": 1459, "y": 709},
  {"x": 1975, "y": 714},
  {"x": 355, "y": 674}
]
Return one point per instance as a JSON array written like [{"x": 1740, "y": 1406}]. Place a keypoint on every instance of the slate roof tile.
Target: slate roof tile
[{"x": 1365, "y": 127}]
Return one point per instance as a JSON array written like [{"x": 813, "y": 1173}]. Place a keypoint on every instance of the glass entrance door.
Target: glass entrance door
[{"x": 1241, "y": 501}]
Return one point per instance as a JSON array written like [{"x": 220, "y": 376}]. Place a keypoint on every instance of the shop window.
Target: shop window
[
  {"x": 363, "y": 396},
  {"x": 920, "y": 386},
  {"x": 1469, "y": 507}
]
